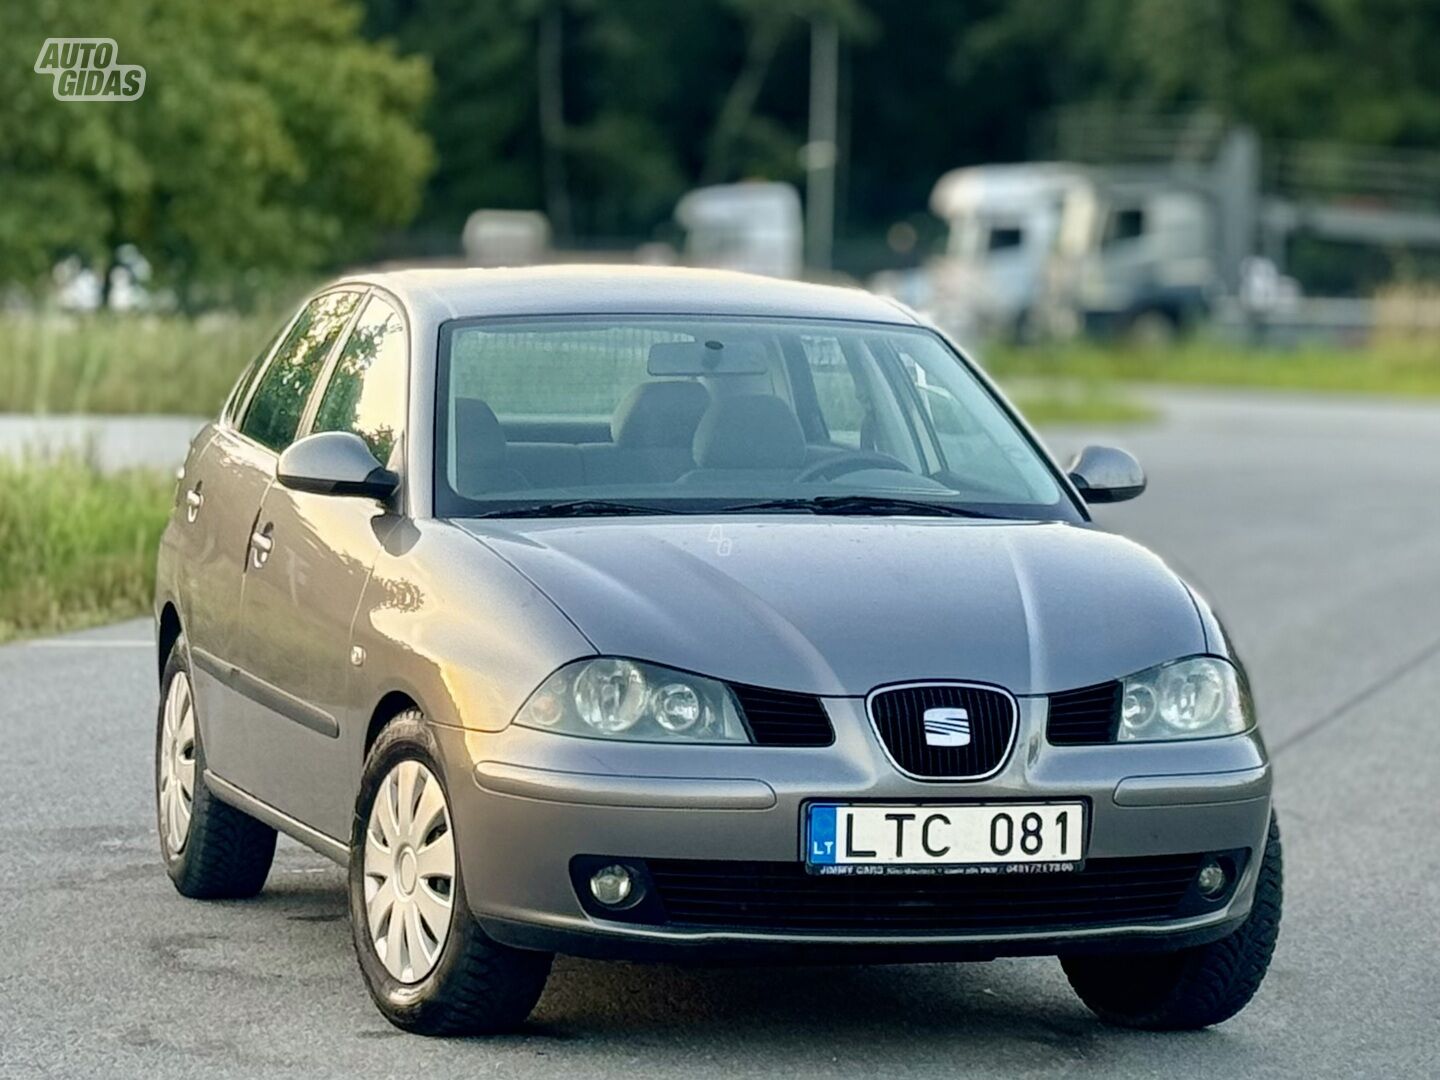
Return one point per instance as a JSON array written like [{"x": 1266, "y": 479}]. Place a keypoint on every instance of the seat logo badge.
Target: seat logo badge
[{"x": 947, "y": 727}]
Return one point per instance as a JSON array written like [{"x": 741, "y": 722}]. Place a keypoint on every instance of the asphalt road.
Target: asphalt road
[{"x": 1313, "y": 527}]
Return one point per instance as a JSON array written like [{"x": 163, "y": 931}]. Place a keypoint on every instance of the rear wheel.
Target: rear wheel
[
  {"x": 1152, "y": 329},
  {"x": 212, "y": 850},
  {"x": 428, "y": 965},
  {"x": 1192, "y": 988}
]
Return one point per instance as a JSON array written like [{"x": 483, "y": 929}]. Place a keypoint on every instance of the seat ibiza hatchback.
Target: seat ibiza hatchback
[{"x": 682, "y": 615}]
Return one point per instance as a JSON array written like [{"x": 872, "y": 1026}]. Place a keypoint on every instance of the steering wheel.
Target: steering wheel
[{"x": 832, "y": 468}]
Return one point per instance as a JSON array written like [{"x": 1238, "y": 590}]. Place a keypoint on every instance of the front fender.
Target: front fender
[{"x": 454, "y": 627}]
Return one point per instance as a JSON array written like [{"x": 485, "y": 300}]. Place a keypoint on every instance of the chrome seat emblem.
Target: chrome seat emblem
[{"x": 947, "y": 727}]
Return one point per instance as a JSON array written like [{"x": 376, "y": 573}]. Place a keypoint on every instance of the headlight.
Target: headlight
[
  {"x": 610, "y": 698},
  {"x": 1197, "y": 698}
]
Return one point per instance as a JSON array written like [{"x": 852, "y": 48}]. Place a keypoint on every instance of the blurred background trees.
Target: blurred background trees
[
  {"x": 277, "y": 138},
  {"x": 272, "y": 139}
]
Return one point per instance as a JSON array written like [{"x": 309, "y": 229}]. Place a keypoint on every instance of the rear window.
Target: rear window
[{"x": 577, "y": 372}]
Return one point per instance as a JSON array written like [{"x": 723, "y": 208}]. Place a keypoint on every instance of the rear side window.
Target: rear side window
[
  {"x": 366, "y": 394},
  {"x": 283, "y": 390},
  {"x": 236, "y": 401}
]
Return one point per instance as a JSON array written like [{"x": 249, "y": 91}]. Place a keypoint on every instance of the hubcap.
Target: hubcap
[
  {"x": 409, "y": 871},
  {"x": 177, "y": 764}
]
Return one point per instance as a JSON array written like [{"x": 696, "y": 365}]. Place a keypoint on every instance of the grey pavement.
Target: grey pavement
[{"x": 1313, "y": 526}]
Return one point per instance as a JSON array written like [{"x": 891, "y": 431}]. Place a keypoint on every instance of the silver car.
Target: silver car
[{"x": 674, "y": 615}]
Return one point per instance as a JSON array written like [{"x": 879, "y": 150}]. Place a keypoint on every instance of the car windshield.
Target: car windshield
[{"x": 570, "y": 416}]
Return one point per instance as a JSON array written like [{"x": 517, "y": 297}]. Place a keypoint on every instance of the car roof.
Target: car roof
[{"x": 442, "y": 294}]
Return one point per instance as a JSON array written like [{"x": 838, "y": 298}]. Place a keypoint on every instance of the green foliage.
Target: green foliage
[
  {"x": 276, "y": 138},
  {"x": 657, "y": 96},
  {"x": 1351, "y": 70},
  {"x": 77, "y": 547},
  {"x": 114, "y": 363},
  {"x": 271, "y": 138}
]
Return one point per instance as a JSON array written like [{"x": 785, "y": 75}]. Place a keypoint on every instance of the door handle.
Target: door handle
[
  {"x": 261, "y": 544},
  {"x": 194, "y": 500}
]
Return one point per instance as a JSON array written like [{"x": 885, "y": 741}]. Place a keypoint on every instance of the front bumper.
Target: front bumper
[{"x": 528, "y": 804}]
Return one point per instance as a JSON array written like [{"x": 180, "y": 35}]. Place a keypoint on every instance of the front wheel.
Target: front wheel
[
  {"x": 1191, "y": 988},
  {"x": 427, "y": 964}
]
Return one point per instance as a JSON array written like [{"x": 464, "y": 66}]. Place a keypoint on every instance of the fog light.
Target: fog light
[
  {"x": 1211, "y": 880},
  {"x": 612, "y": 885}
]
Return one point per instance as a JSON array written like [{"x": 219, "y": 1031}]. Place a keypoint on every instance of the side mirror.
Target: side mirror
[
  {"x": 1104, "y": 474},
  {"x": 335, "y": 463}
]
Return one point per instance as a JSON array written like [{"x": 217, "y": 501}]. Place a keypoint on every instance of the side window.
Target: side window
[
  {"x": 236, "y": 401},
  {"x": 285, "y": 387},
  {"x": 1005, "y": 236},
  {"x": 1125, "y": 224},
  {"x": 367, "y": 394}
]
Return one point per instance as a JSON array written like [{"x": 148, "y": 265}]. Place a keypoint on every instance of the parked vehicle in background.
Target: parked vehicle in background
[
  {"x": 1002, "y": 221},
  {"x": 506, "y": 238},
  {"x": 754, "y": 226},
  {"x": 1054, "y": 249},
  {"x": 1145, "y": 227}
]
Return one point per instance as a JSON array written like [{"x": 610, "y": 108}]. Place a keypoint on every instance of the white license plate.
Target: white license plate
[{"x": 944, "y": 838}]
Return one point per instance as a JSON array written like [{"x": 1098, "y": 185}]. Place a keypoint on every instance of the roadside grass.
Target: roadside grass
[
  {"x": 1077, "y": 401},
  {"x": 118, "y": 363},
  {"x": 77, "y": 546},
  {"x": 1402, "y": 368}
]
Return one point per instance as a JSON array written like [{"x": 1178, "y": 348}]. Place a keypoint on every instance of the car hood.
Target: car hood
[{"x": 838, "y": 607}]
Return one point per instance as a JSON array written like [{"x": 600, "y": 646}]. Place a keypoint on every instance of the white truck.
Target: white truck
[{"x": 1057, "y": 249}]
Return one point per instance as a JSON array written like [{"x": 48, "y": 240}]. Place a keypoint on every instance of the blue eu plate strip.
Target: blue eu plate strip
[{"x": 821, "y": 840}]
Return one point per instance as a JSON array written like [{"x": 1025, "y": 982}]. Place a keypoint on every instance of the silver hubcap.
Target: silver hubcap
[
  {"x": 409, "y": 871},
  {"x": 177, "y": 764}
]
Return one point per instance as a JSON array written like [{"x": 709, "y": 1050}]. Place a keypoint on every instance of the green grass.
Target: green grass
[
  {"x": 112, "y": 363},
  {"x": 1397, "y": 368},
  {"x": 77, "y": 547},
  {"x": 1072, "y": 401}
]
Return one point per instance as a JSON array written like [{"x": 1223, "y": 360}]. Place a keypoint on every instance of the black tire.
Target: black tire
[
  {"x": 477, "y": 986},
  {"x": 1192, "y": 988},
  {"x": 227, "y": 853}
]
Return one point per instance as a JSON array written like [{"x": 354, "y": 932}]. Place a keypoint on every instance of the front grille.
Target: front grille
[
  {"x": 782, "y": 896},
  {"x": 899, "y": 716},
  {"x": 1085, "y": 716},
  {"x": 780, "y": 718}
]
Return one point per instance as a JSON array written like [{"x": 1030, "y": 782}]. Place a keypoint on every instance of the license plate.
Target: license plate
[{"x": 941, "y": 838}]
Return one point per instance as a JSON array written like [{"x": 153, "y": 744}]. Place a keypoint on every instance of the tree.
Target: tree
[
  {"x": 1353, "y": 70},
  {"x": 271, "y": 139}
]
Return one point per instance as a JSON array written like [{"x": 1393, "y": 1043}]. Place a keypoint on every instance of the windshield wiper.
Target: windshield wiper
[
  {"x": 858, "y": 505},
  {"x": 576, "y": 508}
]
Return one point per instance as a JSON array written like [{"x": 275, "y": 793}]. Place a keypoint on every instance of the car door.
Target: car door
[
  {"x": 300, "y": 599},
  {"x": 208, "y": 569},
  {"x": 237, "y": 469}
]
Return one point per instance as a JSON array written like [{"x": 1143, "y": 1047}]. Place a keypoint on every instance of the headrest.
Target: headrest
[
  {"x": 479, "y": 439},
  {"x": 659, "y": 414},
  {"x": 749, "y": 431}
]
